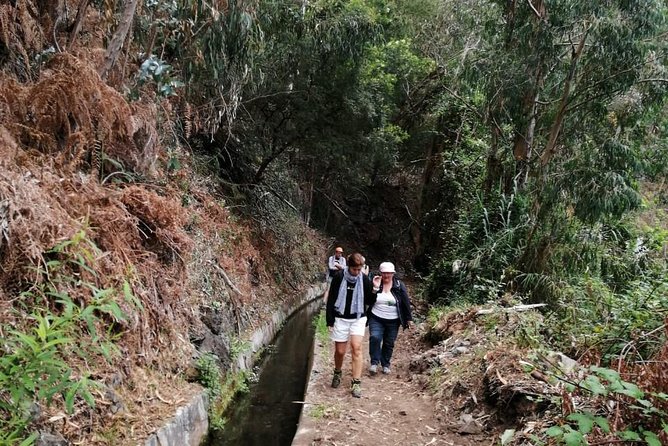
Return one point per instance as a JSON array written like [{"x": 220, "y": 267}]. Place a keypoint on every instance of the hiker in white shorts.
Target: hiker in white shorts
[{"x": 349, "y": 297}]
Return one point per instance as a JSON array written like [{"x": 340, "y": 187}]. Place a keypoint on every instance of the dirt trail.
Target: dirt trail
[{"x": 395, "y": 409}]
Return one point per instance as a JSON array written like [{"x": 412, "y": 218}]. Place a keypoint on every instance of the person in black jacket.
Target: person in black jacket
[
  {"x": 390, "y": 309},
  {"x": 348, "y": 300}
]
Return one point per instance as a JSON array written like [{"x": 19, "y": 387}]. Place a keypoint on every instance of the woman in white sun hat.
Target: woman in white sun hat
[{"x": 390, "y": 309}]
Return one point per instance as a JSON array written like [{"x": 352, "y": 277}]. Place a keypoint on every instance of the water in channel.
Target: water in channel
[{"x": 268, "y": 415}]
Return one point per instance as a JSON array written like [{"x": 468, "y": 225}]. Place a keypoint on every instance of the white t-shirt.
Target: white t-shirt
[{"x": 386, "y": 306}]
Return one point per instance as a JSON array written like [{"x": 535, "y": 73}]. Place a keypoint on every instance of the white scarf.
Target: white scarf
[{"x": 357, "y": 304}]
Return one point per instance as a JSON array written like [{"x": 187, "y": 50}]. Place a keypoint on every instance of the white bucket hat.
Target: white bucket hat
[{"x": 387, "y": 267}]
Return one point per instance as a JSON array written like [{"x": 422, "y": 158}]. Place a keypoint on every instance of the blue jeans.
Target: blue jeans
[{"x": 382, "y": 334}]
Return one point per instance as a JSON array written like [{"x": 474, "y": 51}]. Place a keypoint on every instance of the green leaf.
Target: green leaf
[
  {"x": 103, "y": 294},
  {"x": 631, "y": 390},
  {"x": 130, "y": 297},
  {"x": 508, "y": 435},
  {"x": 593, "y": 384},
  {"x": 85, "y": 393},
  {"x": 608, "y": 374},
  {"x": 651, "y": 438},
  {"x": 554, "y": 431},
  {"x": 628, "y": 435},
  {"x": 113, "y": 309},
  {"x": 662, "y": 396},
  {"x": 52, "y": 263},
  {"x": 585, "y": 421},
  {"x": 30, "y": 440},
  {"x": 603, "y": 424},
  {"x": 574, "y": 438},
  {"x": 27, "y": 340},
  {"x": 645, "y": 403},
  {"x": 69, "y": 398}
]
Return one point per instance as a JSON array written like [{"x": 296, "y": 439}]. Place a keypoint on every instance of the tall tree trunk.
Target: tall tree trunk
[
  {"x": 555, "y": 129},
  {"x": 546, "y": 156},
  {"x": 309, "y": 196},
  {"x": 492, "y": 164},
  {"x": 523, "y": 147},
  {"x": 118, "y": 38},
  {"x": 430, "y": 165}
]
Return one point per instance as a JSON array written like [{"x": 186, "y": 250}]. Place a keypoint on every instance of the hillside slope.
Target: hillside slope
[{"x": 122, "y": 263}]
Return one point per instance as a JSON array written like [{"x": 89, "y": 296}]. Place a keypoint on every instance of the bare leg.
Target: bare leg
[
  {"x": 356, "y": 346},
  {"x": 339, "y": 353}
]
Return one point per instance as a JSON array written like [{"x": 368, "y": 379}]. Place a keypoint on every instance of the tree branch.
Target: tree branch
[
  {"x": 119, "y": 37},
  {"x": 550, "y": 148},
  {"x": 81, "y": 13},
  {"x": 333, "y": 202}
]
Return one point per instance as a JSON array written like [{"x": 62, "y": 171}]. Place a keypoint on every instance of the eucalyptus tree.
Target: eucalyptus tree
[
  {"x": 211, "y": 46},
  {"x": 553, "y": 89}
]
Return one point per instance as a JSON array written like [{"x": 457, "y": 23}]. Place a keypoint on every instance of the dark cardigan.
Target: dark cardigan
[
  {"x": 369, "y": 296},
  {"x": 403, "y": 302}
]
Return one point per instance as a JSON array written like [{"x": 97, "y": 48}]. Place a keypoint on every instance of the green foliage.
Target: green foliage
[
  {"x": 489, "y": 241},
  {"x": 210, "y": 376},
  {"x": 618, "y": 320},
  {"x": 221, "y": 388},
  {"x": 34, "y": 365},
  {"x": 318, "y": 411},
  {"x": 573, "y": 200},
  {"x": 237, "y": 347},
  {"x": 607, "y": 383},
  {"x": 321, "y": 330},
  {"x": 156, "y": 70},
  {"x": 211, "y": 46},
  {"x": 208, "y": 373}
]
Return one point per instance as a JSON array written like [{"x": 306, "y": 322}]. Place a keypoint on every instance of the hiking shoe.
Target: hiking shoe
[
  {"x": 386, "y": 370},
  {"x": 373, "y": 369},
  {"x": 336, "y": 379},
  {"x": 356, "y": 390}
]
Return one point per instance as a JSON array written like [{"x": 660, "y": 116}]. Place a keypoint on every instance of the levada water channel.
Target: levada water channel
[{"x": 268, "y": 414}]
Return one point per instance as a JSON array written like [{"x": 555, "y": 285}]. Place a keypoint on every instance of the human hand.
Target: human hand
[{"x": 376, "y": 281}]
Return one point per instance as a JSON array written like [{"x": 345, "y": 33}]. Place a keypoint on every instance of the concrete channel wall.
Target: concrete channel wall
[{"x": 190, "y": 424}]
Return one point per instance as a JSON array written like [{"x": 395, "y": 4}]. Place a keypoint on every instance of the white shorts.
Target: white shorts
[{"x": 344, "y": 328}]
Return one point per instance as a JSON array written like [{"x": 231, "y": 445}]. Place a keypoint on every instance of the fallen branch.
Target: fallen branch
[
  {"x": 228, "y": 282},
  {"x": 516, "y": 308},
  {"x": 273, "y": 191},
  {"x": 225, "y": 277},
  {"x": 162, "y": 399}
]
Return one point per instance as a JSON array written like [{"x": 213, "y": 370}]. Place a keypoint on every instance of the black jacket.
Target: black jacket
[
  {"x": 369, "y": 296},
  {"x": 400, "y": 293}
]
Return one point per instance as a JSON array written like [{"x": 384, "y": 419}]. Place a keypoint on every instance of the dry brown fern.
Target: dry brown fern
[
  {"x": 71, "y": 101},
  {"x": 12, "y": 101},
  {"x": 7, "y": 13},
  {"x": 30, "y": 30}
]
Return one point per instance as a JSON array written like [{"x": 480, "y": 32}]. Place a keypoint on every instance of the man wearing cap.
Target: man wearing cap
[
  {"x": 336, "y": 263},
  {"x": 390, "y": 309}
]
